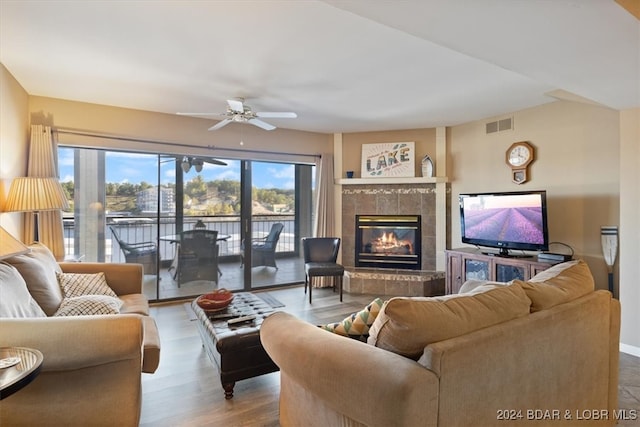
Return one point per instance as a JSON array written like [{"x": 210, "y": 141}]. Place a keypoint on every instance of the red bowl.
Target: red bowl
[{"x": 216, "y": 300}]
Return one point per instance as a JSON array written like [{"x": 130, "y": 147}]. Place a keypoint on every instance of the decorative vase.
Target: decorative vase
[{"x": 427, "y": 167}]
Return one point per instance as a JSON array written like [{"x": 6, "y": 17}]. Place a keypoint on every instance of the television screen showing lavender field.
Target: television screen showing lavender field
[{"x": 515, "y": 218}]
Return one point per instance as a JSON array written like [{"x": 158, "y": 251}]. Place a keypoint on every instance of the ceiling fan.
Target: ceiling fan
[
  {"x": 238, "y": 112},
  {"x": 198, "y": 163}
]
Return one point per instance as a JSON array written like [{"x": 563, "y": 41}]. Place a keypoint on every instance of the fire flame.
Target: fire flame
[
  {"x": 389, "y": 241},
  {"x": 389, "y": 238}
]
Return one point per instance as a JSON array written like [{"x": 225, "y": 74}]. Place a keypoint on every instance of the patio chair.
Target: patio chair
[
  {"x": 197, "y": 256},
  {"x": 263, "y": 250},
  {"x": 320, "y": 255},
  {"x": 145, "y": 253}
]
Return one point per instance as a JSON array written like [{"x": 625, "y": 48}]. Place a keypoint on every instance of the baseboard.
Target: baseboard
[{"x": 630, "y": 349}]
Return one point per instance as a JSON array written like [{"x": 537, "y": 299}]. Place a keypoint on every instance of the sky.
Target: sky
[{"x": 134, "y": 168}]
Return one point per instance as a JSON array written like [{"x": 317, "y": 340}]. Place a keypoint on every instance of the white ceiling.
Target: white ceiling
[{"x": 343, "y": 66}]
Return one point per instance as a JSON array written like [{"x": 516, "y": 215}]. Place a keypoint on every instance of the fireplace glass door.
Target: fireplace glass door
[{"x": 388, "y": 241}]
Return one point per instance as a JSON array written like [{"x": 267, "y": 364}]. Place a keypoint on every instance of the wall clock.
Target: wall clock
[{"x": 519, "y": 156}]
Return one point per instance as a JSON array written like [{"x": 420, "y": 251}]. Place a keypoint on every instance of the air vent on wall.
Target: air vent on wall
[{"x": 500, "y": 125}]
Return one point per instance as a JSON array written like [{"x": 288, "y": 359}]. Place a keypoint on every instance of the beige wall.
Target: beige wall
[
  {"x": 14, "y": 131},
  {"x": 63, "y": 114},
  {"x": 425, "y": 143},
  {"x": 576, "y": 162},
  {"x": 629, "y": 253}
]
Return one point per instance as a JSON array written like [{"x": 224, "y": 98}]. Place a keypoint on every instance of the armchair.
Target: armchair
[
  {"x": 145, "y": 253},
  {"x": 263, "y": 250},
  {"x": 320, "y": 256}
]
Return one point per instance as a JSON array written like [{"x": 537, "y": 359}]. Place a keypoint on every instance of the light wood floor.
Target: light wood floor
[{"x": 186, "y": 390}]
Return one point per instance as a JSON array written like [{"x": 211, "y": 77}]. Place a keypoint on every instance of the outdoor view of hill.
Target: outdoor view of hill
[{"x": 219, "y": 197}]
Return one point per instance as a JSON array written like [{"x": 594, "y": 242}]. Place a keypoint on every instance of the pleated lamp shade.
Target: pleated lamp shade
[
  {"x": 10, "y": 246},
  {"x": 34, "y": 194}
]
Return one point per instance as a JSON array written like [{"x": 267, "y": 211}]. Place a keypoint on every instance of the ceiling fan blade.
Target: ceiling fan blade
[
  {"x": 201, "y": 114},
  {"x": 220, "y": 124},
  {"x": 277, "y": 115},
  {"x": 261, "y": 124},
  {"x": 214, "y": 161},
  {"x": 236, "y": 105}
]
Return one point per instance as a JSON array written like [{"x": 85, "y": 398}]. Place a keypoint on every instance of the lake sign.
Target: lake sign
[{"x": 389, "y": 159}]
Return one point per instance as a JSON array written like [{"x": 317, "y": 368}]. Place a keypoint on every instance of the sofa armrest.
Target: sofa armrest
[
  {"x": 364, "y": 383},
  {"x": 123, "y": 278},
  {"x": 71, "y": 343}
]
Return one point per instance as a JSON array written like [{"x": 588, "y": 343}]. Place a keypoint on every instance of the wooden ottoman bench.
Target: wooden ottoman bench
[{"x": 235, "y": 349}]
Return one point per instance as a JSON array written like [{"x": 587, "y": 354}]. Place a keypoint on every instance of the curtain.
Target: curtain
[
  {"x": 42, "y": 163},
  {"x": 324, "y": 222}
]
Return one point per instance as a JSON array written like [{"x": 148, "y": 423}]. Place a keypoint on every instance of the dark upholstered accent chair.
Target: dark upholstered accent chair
[
  {"x": 145, "y": 253},
  {"x": 320, "y": 255},
  {"x": 197, "y": 254},
  {"x": 263, "y": 250}
]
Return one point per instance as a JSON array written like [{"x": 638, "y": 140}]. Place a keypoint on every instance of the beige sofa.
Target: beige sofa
[
  {"x": 543, "y": 352},
  {"x": 91, "y": 374}
]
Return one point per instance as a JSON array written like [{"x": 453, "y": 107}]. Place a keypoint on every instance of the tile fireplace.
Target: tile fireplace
[{"x": 391, "y": 201}]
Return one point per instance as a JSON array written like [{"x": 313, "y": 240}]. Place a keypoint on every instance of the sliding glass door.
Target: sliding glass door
[
  {"x": 207, "y": 204},
  {"x": 133, "y": 207},
  {"x": 276, "y": 215}
]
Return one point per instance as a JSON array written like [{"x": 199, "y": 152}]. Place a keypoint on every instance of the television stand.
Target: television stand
[
  {"x": 470, "y": 263},
  {"x": 504, "y": 253}
]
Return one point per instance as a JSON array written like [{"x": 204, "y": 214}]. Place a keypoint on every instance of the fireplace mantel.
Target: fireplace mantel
[{"x": 391, "y": 180}]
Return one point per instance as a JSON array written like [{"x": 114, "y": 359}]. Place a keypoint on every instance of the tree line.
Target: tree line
[{"x": 210, "y": 198}]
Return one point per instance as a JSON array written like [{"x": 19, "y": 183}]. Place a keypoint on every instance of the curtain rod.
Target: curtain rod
[{"x": 174, "y": 144}]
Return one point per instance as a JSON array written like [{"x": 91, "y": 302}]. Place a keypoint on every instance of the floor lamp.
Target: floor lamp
[
  {"x": 609, "y": 240},
  {"x": 35, "y": 194}
]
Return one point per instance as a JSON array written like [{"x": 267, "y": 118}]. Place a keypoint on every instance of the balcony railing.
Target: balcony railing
[{"x": 145, "y": 229}]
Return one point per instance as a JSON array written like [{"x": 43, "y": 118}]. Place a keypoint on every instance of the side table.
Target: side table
[{"x": 16, "y": 376}]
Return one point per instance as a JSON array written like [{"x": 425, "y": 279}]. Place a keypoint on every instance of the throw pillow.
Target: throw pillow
[
  {"x": 87, "y": 305},
  {"x": 406, "y": 325},
  {"x": 38, "y": 268},
  {"x": 15, "y": 299},
  {"x": 357, "y": 325},
  {"x": 78, "y": 284},
  {"x": 559, "y": 284}
]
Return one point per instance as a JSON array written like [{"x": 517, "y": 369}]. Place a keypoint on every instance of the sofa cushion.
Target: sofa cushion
[
  {"x": 357, "y": 324},
  {"x": 472, "y": 284},
  {"x": 406, "y": 325},
  {"x": 87, "y": 305},
  {"x": 559, "y": 284},
  {"x": 15, "y": 299},
  {"x": 38, "y": 269},
  {"x": 134, "y": 304},
  {"x": 78, "y": 284}
]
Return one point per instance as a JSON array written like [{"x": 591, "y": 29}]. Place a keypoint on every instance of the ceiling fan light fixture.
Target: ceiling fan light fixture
[
  {"x": 186, "y": 165},
  {"x": 198, "y": 167}
]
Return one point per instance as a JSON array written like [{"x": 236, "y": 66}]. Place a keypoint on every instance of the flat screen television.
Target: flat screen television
[{"x": 505, "y": 220}]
